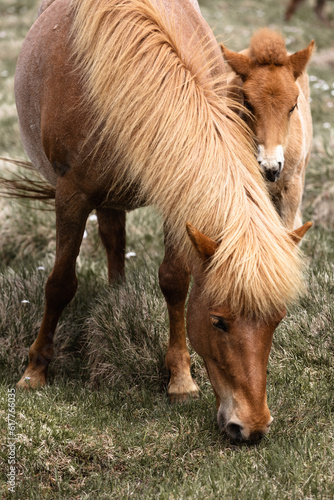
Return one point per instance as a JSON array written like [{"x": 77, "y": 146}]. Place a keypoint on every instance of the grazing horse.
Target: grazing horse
[
  {"x": 274, "y": 87},
  {"x": 122, "y": 104}
]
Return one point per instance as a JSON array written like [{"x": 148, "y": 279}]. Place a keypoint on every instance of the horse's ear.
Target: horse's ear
[
  {"x": 238, "y": 62},
  {"x": 299, "y": 233},
  {"x": 204, "y": 246},
  {"x": 299, "y": 60}
]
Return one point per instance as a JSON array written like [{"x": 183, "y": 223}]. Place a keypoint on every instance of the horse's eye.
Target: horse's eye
[
  {"x": 219, "y": 322},
  {"x": 292, "y": 109}
]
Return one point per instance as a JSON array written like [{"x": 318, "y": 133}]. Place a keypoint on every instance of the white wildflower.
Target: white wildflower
[{"x": 130, "y": 254}]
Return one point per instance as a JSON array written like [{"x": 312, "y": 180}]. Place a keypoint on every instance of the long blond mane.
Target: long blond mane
[{"x": 164, "y": 120}]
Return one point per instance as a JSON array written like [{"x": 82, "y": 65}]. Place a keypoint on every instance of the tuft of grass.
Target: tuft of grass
[{"x": 126, "y": 331}]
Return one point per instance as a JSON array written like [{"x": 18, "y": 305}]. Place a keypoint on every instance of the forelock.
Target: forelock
[{"x": 268, "y": 47}]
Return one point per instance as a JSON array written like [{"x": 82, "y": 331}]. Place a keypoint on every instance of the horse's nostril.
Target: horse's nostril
[
  {"x": 234, "y": 431},
  {"x": 272, "y": 175}
]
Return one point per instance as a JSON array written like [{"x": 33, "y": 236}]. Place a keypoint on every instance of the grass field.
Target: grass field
[{"x": 103, "y": 427}]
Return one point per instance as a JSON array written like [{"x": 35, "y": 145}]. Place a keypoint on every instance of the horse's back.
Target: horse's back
[{"x": 48, "y": 89}]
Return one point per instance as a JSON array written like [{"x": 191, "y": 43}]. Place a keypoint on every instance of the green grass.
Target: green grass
[{"x": 103, "y": 427}]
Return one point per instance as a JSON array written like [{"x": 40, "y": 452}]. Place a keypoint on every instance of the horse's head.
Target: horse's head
[
  {"x": 270, "y": 94},
  {"x": 235, "y": 351}
]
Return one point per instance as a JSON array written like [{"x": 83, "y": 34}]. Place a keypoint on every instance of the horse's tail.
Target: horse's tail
[{"x": 20, "y": 185}]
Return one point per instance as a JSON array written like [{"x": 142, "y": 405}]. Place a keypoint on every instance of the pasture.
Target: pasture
[{"x": 103, "y": 427}]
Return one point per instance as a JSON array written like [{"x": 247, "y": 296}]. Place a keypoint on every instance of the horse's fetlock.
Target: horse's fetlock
[
  {"x": 40, "y": 358},
  {"x": 177, "y": 361}
]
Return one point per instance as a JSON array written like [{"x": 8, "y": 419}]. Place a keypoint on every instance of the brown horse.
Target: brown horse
[
  {"x": 274, "y": 87},
  {"x": 121, "y": 104},
  {"x": 318, "y": 9}
]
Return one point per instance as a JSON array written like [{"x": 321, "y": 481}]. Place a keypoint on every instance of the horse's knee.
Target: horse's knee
[
  {"x": 174, "y": 282},
  {"x": 60, "y": 290}
]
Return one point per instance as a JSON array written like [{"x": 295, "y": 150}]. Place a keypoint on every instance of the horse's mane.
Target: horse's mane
[
  {"x": 268, "y": 47},
  {"x": 164, "y": 121}
]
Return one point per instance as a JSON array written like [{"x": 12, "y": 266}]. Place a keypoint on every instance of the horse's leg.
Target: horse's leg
[
  {"x": 319, "y": 10},
  {"x": 112, "y": 233},
  {"x": 72, "y": 210},
  {"x": 174, "y": 280},
  {"x": 292, "y": 8}
]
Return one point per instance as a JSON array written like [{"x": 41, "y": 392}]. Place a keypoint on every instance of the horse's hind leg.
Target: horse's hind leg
[
  {"x": 112, "y": 234},
  {"x": 174, "y": 280},
  {"x": 72, "y": 211}
]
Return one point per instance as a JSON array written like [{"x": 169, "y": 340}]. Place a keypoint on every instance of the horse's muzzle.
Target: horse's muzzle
[
  {"x": 271, "y": 162},
  {"x": 273, "y": 174},
  {"x": 238, "y": 433}
]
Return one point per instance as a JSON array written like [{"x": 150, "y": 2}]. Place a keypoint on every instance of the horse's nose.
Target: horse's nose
[
  {"x": 239, "y": 434},
  {"x": 271, "y": 162},
  {"x": 273, "y": 174}
]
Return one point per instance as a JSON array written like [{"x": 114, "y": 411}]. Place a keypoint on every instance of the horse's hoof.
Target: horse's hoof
[
  {"x": 31, "y": 380},
  {"x": 182, "y": 397},
  {"x": 182, "y": 393}
]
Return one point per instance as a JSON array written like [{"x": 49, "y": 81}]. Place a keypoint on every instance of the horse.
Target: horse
[
  {"x": 125, "y": 103},
  {"x": 318, "y": 9},
  {"x": 274, "y": 87}
]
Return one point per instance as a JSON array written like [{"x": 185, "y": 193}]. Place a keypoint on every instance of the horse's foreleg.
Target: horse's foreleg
[
  {"x": 174, "y": 280},
  {"x": 72, "y": 211},
  {"x": 112, "y": 234}
]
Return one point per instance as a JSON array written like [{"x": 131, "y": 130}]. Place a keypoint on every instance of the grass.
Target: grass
[{"x": 103, "y": 427}]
